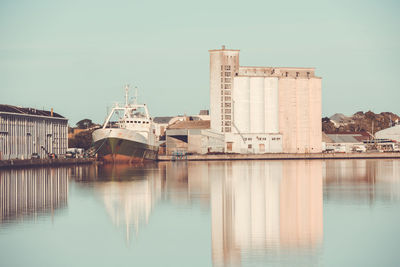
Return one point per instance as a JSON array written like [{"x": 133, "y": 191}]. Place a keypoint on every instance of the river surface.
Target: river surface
[{"x": 223, "y": 213}]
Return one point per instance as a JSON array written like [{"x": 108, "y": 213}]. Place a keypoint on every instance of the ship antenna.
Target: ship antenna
[
  {"x": 135, "y": 95},
  {"x": 126, "y": 94}
]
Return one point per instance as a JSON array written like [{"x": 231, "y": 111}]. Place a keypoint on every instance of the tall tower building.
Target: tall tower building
[
  {"x": 224, "y": 63},
  {"x": 264, "y": 109}
]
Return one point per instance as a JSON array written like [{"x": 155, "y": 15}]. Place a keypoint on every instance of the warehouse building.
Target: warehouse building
[
  {"x": 193, "y": 137},
  {"x": 264, "y": 109},
  {"x": 27, "y": 131},
  {"x": 392, "y": 133}
]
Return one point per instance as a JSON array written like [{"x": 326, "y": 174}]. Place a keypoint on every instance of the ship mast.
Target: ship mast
[
  {"x": 126, "y": 95},
  {"x": 135, "y": 101}
]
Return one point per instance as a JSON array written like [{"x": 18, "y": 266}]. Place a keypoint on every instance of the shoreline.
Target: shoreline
[
  {"x": 31, "y": 163},
  {"x": 283, "y": 156}
]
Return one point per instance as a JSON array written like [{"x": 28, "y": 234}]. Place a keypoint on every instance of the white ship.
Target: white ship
[{"x": 128, "y": 134}]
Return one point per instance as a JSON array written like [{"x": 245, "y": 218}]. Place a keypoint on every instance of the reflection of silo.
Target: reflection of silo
[
  {"x": 241, "y": 102},
  {"x": 271, "y": 104},
  {"x": 258, "y": 206},
  {"x": 241, "y": 222},
  {"x": 301, "y": 202},
  {"x": 273, "y": 177},
  {"x": 257, "y": 105}
]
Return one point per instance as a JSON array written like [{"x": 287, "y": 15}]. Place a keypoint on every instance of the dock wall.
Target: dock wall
[
  {"x": 21, "y": 163},
  {"x": 282, "y": 156}
]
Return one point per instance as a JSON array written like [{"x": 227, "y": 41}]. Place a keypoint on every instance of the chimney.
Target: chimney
[{"x": 51, "y": 112}]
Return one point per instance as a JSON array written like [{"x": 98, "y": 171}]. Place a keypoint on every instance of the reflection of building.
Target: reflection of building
[
  {"x": 264, "y": 206},
  {"x": 24, "y": 131},
  {"x": 361, "y": 181},
  {"x": 256, "y": 206},
  {"x": 31, "y": 192}
]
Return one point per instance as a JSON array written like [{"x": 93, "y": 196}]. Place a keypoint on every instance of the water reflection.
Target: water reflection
[
  {"x": 361, "y": 181},
  {"x": 256, "y": 207},
  {"x": 27, "y": 193},
  {"x": 259, "y": 208},
  {"x": 129, "y": 193}
]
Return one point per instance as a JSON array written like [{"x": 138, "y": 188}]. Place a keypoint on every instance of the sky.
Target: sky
[{"x": 76, "y": 56}]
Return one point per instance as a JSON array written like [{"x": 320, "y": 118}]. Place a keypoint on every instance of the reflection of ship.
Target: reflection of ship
[
  {"x": 129, "y": 193},
  {"x": 127, "y": 134},
  {"x": 27, "y": 193}
]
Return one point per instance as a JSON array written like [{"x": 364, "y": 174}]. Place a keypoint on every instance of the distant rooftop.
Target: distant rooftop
[
  {"x": 190, "y": 125},
  {"x": 348, "y": 137},
  {"x": 162, "y": 119},
  {"x": 28, "y": 111},
  {"x": 204, "y": 112}
]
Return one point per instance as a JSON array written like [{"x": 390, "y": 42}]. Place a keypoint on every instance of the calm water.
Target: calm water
[{"x": 241, "y": 213}]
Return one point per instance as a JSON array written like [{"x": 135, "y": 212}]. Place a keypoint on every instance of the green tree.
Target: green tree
[{"x": 84, "y": 124}]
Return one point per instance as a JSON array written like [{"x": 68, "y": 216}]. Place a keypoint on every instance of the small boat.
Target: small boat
[{"x": 128, "y": 134}]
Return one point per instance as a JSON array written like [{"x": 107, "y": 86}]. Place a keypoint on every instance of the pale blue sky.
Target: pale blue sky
[{"x": 76, "y": 56}]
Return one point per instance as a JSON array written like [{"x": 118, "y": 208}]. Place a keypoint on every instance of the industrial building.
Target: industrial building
[
  {"x": 264, "y": 109},
  {"x": 392, "y": 133},
  {"x": 27, "y": 131},
  {"x": 193, "y": 137}
]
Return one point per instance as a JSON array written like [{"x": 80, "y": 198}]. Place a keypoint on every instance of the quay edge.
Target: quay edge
[
  {"x": 27, "y": 163},
  {"x": 283, "y": 156}
]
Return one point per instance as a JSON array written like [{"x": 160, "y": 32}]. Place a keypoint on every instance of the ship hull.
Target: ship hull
[{"x": 117, "y": 149}]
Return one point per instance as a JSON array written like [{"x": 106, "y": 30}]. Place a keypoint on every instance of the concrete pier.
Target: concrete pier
[
  {"x": 281, "y": 156},
  {"x": 23, "y": 163}
]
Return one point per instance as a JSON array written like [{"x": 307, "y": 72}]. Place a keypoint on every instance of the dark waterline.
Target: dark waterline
[{"x": 241, "y": 213}]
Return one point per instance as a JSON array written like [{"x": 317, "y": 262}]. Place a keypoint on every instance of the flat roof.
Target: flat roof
[
  {"x": 215, "y": 50},
  {"x": 258, "y": 67}
]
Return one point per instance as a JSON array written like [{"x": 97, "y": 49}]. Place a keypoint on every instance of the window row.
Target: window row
[
  {"x": 227, "y": 105},
  {"x": 227, "y": 80},
  {"x": 144, "y": 122}
]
